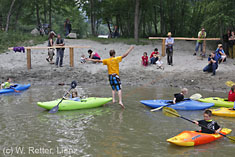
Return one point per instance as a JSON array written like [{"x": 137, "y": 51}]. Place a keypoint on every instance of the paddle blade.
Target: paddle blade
[
  {"x": 156, "y": 109},
  {"x": 195, "y": 96},
  {"x": 73, "y": 84},
  {"x": 229, "y": 83},
  {"x": 231, "y": 138},
  {"x": 170, "y": 112},
  {"x": 54, "y": 109}
]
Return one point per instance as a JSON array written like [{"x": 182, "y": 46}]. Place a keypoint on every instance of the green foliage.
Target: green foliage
[{"x": 13, "y": 38}]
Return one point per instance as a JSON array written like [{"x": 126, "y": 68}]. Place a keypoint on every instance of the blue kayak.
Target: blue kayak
[
  {"x": 187, "y": 104},
  {"x": 18, "y": 87}
]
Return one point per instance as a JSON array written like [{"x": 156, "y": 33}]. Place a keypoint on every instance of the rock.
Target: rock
[
  {"x": 35, "y": 32},
  {"x": 72, "y": 35}
]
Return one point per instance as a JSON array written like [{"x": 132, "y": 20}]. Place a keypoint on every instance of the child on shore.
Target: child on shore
[
  {"x": 83, "y": 59},
  {"x": 212, "y": 126},
  {"x": 221, "y": 53},
  {"x": 159, "y": 63},
  {"x": 145, "y": 59},
  {"x": 180, "y": 96}
]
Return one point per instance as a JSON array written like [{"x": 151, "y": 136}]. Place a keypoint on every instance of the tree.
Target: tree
[
  {"x": 9, "y": 15},
  {"x": 137, "y": 9}
]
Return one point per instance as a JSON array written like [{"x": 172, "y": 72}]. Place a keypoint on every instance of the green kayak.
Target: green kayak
[
  {"x": 219, "y": 102},
  {"x": 91, "y": 102}
]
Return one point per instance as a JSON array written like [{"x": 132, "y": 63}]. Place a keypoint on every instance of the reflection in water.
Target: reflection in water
[{"x": 104, "y": 131}]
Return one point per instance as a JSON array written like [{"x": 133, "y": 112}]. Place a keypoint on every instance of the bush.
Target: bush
[{"x": 12, "y": 39}]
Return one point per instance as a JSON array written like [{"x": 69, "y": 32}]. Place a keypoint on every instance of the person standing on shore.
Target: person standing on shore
[
  {"x": 59, "y": 51},
  {"x": 201, "y": 34},
  {"x": 67, "y": 27},
  {"x": 231, "y": 44},
  {"x": 169, "y": 48},
  {"x": 225, "y": 41},
  {"x": 50, "y": 50},
  {"x": 113, "y": 71}
]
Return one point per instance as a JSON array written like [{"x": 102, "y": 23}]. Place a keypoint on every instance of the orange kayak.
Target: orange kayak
[{"x": 193, "y": 138}]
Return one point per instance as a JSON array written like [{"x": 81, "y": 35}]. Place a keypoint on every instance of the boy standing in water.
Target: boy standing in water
[
  {"x": 208, "y": 123},
  {"x": 113, "y": 71}
]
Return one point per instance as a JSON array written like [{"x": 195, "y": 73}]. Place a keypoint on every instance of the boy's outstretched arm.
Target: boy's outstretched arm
[
  {"x": 94, "y": 60},
  {"x": 128, "y": 51}
]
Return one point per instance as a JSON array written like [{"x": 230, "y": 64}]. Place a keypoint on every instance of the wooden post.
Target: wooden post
[
  {"x": 204, "y": 47},
  {"x": 29, "y": 59},
  {"x": 71, "y": 54},
  {"x": 163, "y": 47}
]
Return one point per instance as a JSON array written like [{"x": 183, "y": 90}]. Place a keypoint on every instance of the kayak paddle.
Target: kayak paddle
[
  {"x": 193, "y": 97},
  {"x": 229, "y": 83},
  {"x": 56, "y": 108},
  {"x": 170, "y": 112}
]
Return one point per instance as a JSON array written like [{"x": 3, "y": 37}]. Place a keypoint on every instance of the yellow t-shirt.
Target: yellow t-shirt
[{"x": 113, "y": 64}]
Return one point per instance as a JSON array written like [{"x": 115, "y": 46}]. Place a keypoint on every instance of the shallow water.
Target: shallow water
[{"x": 27, "y": 130}]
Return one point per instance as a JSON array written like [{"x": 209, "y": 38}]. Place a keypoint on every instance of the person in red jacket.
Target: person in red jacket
[
  {"x": 145, "y": 59},
  {"x": 231, "y": 94},
  {"x": 154, "y": 56}
]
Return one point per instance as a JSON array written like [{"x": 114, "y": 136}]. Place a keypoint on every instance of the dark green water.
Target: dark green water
[{"x": 27, "y": 130}]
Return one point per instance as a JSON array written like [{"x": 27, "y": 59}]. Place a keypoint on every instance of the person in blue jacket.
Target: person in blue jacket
[{"x": 212, "y": 63}]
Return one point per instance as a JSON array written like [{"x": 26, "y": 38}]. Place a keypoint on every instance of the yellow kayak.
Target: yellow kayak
[{"x": 226, "y": 112}]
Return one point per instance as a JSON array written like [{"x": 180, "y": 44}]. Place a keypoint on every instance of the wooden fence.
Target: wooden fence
[
  {"x": 182, "y": 38},
  {"x": 71, "y": 53}
]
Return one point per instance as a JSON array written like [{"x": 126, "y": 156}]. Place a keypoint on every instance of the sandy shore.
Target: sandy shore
[{"x": 186, "y": 72}]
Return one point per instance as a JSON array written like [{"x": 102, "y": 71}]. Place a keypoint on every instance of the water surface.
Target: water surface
[{"x": 28, "y": 130}]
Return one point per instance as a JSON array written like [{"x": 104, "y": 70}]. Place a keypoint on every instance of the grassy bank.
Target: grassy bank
[{"x": 12, "y": 39}]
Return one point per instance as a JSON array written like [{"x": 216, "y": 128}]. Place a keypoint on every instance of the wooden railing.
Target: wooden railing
[
  {"x": 182, "y": 38},
  {"x": 71, "y": 53}
]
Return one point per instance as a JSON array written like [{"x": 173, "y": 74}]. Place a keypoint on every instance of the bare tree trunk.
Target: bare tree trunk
[
  {"x": 162, "y": 18},
  {"x": 92, "y": 17},
  {"x": 37, "y": 13},
  {"x": 45, "y": 11},
  {"x": 136, "y": 22},
  {"x": 155, "y": 19},
  {"x": 9, "y": 15},
  {"x": 50, "y": 23},
  {"x": 108, "y": 23},
  {"x": 17, "y": 16}
]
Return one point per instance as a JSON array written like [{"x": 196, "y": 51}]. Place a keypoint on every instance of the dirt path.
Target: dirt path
[{"x": 186, "y": 72}]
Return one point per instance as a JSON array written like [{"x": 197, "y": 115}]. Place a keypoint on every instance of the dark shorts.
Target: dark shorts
[{"x": 115, "y": 82}]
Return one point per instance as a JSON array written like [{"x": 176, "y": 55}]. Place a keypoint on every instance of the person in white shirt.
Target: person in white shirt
[{"x": 169, "y": 48}]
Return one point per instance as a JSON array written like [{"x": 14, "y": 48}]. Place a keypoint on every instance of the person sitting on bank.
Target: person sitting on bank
[
  {"x": 180, "y": 96},
  {"x": 154, "y": 56},
  {"x": 213, "y": 127},
  {"x": 9, "y": 85},
  {"x": 212, "y": 63},
  {"x": 145, "y": 59},
  {"x": 231, "y": 94},
  {"x": 221, "y": 53},
  {"x": 93, "y": 55}
]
